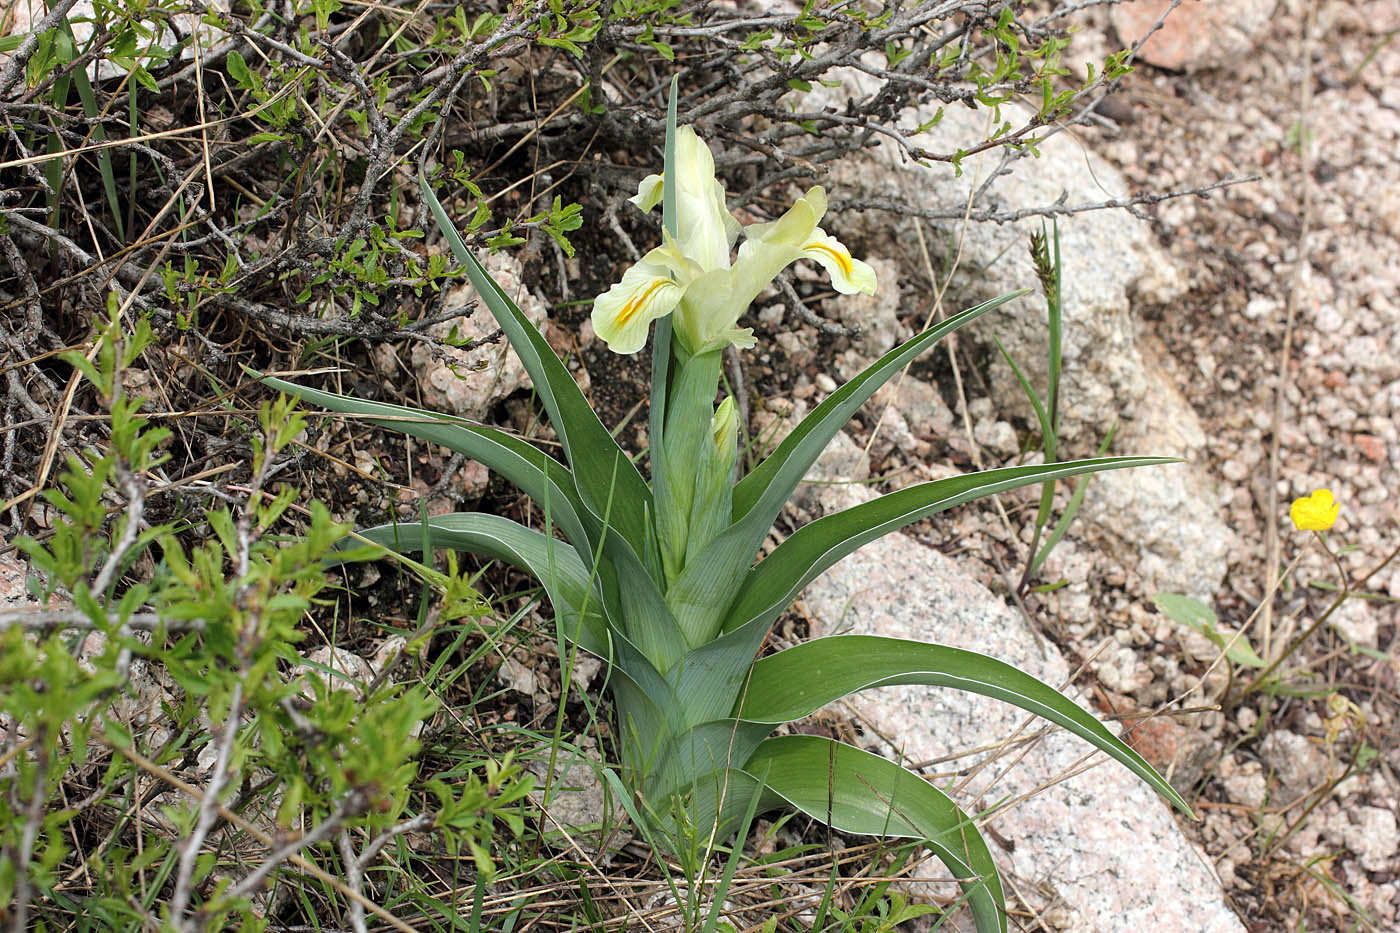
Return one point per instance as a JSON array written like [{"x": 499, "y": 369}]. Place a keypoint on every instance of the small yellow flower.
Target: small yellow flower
[{"x": 1316, "y": 512}]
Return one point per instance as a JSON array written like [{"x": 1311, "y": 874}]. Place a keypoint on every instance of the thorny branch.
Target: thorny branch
[
  {"x": 191, "y": 847},
  {"x": 351, "y": 806},
  {"x": 1131, "y": 203},
  {"x": 33, "y": 810},
  {"x": 76, "y": 619}
]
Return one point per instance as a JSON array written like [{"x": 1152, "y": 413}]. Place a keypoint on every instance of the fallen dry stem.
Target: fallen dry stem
[{"x": 1282, "y": 378}]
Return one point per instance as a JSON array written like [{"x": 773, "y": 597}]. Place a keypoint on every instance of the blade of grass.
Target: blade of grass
[{"x": 99, "y": 134}]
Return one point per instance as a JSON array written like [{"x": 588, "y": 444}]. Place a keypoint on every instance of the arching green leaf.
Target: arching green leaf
[
  {"x": 537, "y": 474},
  {"x": 800, "y": 680},
  {"x": 778, "y": 578},
  {"x": 607, "y": 480},
  {"x": 859, "y": 792},
  {"x": 710, "y": 581}
]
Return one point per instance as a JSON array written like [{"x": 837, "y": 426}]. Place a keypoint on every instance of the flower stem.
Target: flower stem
[{"x": 1345, "y": 591}]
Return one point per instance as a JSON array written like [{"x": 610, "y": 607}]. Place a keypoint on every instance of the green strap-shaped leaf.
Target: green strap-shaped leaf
[
  {"x": 565, "y": 579},
  {"x": 99, "y": 135},
  {"x": 711, "y": 580},
  {"x": 770, "y": 484},
  {"x": 628, "y": 588},
  {"x": 670, "y": 210},
  {"x": 777, "y": 579},
  {"x": 661, "y": 334},
  {"x": 554, "y": 563},
  {"x": 605, "y": 475},
  {"x": 642, "y": 724},
  {"x": 858, "y": 792},
  {"x": 705, "y": 749},
  {"x": 538, "y": 475},
  {"x": 646, "y": 618},
  {"x": 715, "y": 806},
  {"x": 710, "y": 678},
  {"x": 802, "y": 679}
]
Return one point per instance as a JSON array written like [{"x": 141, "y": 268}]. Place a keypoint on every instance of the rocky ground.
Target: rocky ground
[{"x": 1315, "y": 239}]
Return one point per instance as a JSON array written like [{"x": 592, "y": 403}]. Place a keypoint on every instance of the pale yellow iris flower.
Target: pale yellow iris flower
[{"x": 692, "y": 274}]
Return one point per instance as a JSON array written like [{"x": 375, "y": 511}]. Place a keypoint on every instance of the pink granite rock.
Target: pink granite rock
[
  {"x": 1105, "y": 843},
  {"x": 470, "y": 381},
  {"x": 1198, "y": 34}
]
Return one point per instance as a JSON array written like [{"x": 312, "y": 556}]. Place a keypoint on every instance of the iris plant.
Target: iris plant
[{"x": 660, "y": 578}]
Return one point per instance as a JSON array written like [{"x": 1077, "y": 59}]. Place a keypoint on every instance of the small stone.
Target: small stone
[
  {"x": 1329, "y": 321},
  {"x": 579, "y": 803},
  {"x": 1370, "y": 833},
  {"x": 772, "y": 315},
  {"x": 825, "y": 383},
  {"x": 392, "y": 647},
  {"x": 1122, "y": 671},
  {"x": 1298, "y": 765},
  {"x": 997, "y": 436},
  {"x": 1243, "y": 782},
  {"x": 797, "y": 348},
  {"x": 349, "y": 671},
  {"x": 1157, "y": 740},
  {"x": 586, "y": 667},
  {"x": 1194, "y": 35},
  {"x": 14, "y": 584},
  {"x": 476, "y": 378},
  {"x": 1358, "y": 622},
  {"x": 516, "y": 676},
  {"x": 1370, "y": 446},
  {"x": 923, "y": 407},
  {"x": 1260, "y": 308},
  {"x": 1234, "y": 470}
]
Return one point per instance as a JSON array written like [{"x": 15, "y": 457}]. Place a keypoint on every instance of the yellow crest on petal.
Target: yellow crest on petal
[
  {"x": 849, "y": 275},
  {"x": 650, "y": 289},
  {"x": 695, "y": 273}
]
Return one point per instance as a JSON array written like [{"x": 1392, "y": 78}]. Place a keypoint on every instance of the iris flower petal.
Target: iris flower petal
[
  {"x": 848, "y": 275},
  {"x": 703, "y": 223},
  {"x": 693, "y": 273},
  {"x": 648, "y": 193},
  {"x": 650, "y": 289}
]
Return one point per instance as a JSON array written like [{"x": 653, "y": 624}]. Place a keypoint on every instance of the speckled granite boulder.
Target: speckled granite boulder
[
  {"x": 1106, "y": 846},
  {"x": 1112, "y": 263}
]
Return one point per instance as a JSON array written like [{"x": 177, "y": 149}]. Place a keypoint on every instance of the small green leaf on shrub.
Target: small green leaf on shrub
[{"x": 238, "y": 70}]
